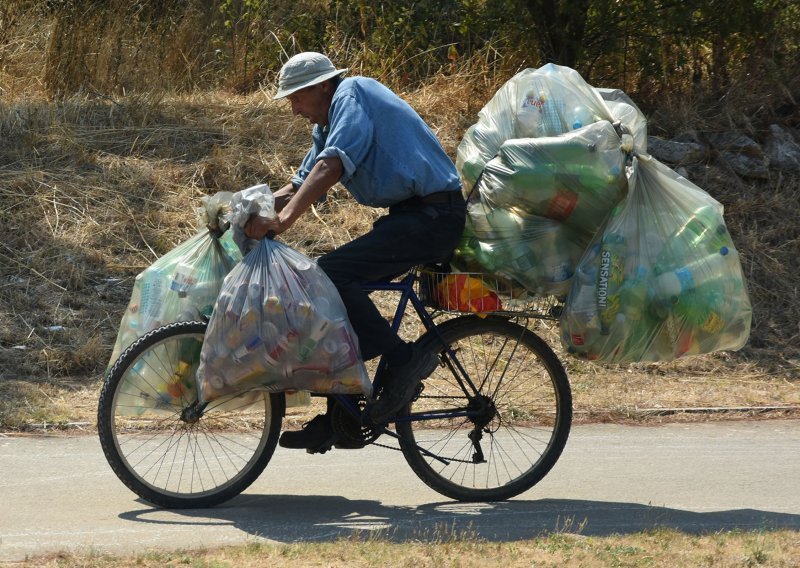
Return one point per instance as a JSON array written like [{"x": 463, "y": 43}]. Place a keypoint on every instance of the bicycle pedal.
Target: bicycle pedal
[{"x": 418, "y": 391}]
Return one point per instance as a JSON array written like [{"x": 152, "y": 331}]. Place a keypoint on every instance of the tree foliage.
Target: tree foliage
[{"x": 638, "y": 45}]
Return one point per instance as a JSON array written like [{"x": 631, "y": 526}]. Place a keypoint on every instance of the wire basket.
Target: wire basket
[{"x": 478, "y": 293}]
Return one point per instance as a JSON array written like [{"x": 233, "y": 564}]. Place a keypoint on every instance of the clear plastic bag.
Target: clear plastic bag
[
  {"x": 182, "y": 285},
  {"x": 547, "y": 146},
  {"x": 539, "y": 253},
  {"x": 280, "y": 325},
  {"x": 575, "y": 178},
  {"x": 661, "y": 280},
  {"x": 549, "y": 101}
]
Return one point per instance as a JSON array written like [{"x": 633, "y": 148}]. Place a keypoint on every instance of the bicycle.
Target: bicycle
[{"x": 488, "y": 422}]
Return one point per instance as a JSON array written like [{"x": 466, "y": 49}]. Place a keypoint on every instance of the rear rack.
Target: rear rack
[{"x": 483, "y": 294}]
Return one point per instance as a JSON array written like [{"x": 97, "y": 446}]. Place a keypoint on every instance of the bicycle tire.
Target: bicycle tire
[
  {"x": 163, "y": 458},
  {"x": 528, "y": 412}
]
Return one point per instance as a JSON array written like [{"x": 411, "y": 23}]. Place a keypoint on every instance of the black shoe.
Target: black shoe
[
  {"x": 317, "y": 436},
  {"x": 401, "y": 384}
]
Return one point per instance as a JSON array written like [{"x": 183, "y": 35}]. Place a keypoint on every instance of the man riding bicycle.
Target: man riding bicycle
[{"x": 376, "y": 145}]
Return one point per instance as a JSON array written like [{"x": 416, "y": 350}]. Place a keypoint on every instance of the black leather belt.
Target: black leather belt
[{"x": 443, "y": 197}]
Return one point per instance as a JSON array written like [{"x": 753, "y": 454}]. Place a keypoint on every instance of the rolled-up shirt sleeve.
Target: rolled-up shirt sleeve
[
  {"x": 305, "y": 167},
  {"x": 350, "y": 136}
]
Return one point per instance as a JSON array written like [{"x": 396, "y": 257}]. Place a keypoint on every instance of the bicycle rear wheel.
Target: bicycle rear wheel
[
  {"x": 502, "y": 441},
  {"x": 157, "y": 448}
]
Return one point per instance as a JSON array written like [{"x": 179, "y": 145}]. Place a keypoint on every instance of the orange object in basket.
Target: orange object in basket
[{"x": 463, "y": 293}]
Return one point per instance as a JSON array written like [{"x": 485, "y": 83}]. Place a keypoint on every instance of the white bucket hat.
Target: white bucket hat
[{"x": 303, "y": 70}]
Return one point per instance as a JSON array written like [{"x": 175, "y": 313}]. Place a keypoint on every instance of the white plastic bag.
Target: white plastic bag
[
  {"x": 279, "y": 324},
  {"x": 661, "y": 280},
  {"x": 575, "y": 178},
  {"x": 549, "y": 101}
]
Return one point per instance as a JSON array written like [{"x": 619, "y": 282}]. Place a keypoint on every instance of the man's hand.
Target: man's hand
[
  {"x": 257, "y": 227},
  {"x": 290, "y": 204}
]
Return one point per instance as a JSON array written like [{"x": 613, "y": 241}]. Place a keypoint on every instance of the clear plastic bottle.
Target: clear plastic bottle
[
  {"x": 183, "y": 279},
  {"x": 529, "y": 117},
  {"x": 715, "y": 271}
]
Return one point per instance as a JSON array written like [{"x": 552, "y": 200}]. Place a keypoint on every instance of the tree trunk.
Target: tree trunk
[{"x": 560, "y": 28}]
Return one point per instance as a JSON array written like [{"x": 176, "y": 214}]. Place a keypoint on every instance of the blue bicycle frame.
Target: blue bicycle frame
[{"x": 405, "y": 287}]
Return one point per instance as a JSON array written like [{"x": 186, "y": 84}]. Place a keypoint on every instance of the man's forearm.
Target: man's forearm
[
  {"x": 321, "y": 178},
  {"x": 291, "y": 203},
  {"x": 283, "y": 196}
]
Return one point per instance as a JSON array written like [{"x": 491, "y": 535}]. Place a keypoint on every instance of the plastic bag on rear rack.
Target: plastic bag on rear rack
[
  {"x": 548, "y": 146},
  {"x": 661, "y": 280},
  {"x": 278, "y": 324},
  {"x": 539, "y": 253},
  {"x": 183, "y": 284},
  {"x": 546, "y": 102}
]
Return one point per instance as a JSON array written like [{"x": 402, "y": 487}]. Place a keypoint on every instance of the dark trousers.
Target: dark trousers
[{"x": 416, "y": 231}]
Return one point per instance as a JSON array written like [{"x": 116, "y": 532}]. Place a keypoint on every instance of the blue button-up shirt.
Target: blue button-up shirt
[{"x": 387, "y": 151}]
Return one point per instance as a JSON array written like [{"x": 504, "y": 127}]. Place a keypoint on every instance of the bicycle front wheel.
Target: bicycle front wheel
[
  {"x": 163, "y": 452},
  {"x": 502, "y": 440}
]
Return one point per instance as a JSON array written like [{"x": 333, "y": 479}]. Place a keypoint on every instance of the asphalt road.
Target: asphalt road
[{"x": 58, "y": 493}]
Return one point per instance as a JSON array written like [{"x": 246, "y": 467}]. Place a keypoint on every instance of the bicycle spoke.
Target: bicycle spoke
[
  {"x": 516, "y": 413},
  {"x": 165, "y": 457}
]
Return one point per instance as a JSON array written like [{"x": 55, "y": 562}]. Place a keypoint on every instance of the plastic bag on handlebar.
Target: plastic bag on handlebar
[
  {"x": 280, "y": 325},
  {"x": 183, "y": 284}
]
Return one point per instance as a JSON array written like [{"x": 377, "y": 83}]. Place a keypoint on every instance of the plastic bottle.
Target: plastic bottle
[
  {"x": 714, "y": 270},
  {"x": 505, "y": 224},
  {"x": 183, "y": 279},
  {"x": 489, "y": 255},
  {"x": 705, "y": 309},
  {"x": 561, "y": 205},
  {"x": 524, "y": 265},
  {"x": 552, "y": 116},
  {"x": 703, "y": 232},
  {"x": 633, "y": 295},
  {"x": 151, "y": 299},
  {"x": 234, "y": 301},
  {"x": 319, "y": 328},
  {"x": 478, "y": 221},
  {"x": 580, "y": 116},
  {"x": 339, "y": 347},
  {"x": 529, "y": 116}
]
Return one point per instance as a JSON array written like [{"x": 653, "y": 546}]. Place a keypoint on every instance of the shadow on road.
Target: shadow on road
[{"x": 289, "y": 518}]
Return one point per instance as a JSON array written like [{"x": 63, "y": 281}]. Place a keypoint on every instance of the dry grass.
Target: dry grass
[
  {"x": 94, "y": 187},
  {"x": 93, "y": 190},
  {"x": 659, "y": 548}
]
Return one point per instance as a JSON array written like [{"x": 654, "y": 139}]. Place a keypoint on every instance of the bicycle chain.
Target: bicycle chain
[{"x": 400, "y": 450}]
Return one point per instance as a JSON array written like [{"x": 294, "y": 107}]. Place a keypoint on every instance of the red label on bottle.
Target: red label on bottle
[{"x": 562, "y": 205}]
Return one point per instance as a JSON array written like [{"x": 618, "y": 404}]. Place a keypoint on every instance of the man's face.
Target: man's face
[{"x": 313, "y": 102}]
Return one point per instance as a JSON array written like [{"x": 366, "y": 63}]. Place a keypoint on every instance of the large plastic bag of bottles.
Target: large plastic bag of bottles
[
  {"x": 546, "y": 146},
  {"x": 278, "y": 323},
  {"x": 545, "y": 102},
  {"x": 575, "y": 178},
  {"x": 661, "y": 280},
  {"x": 183, "y": 284},
  {"x": 539, "y": 253}
]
